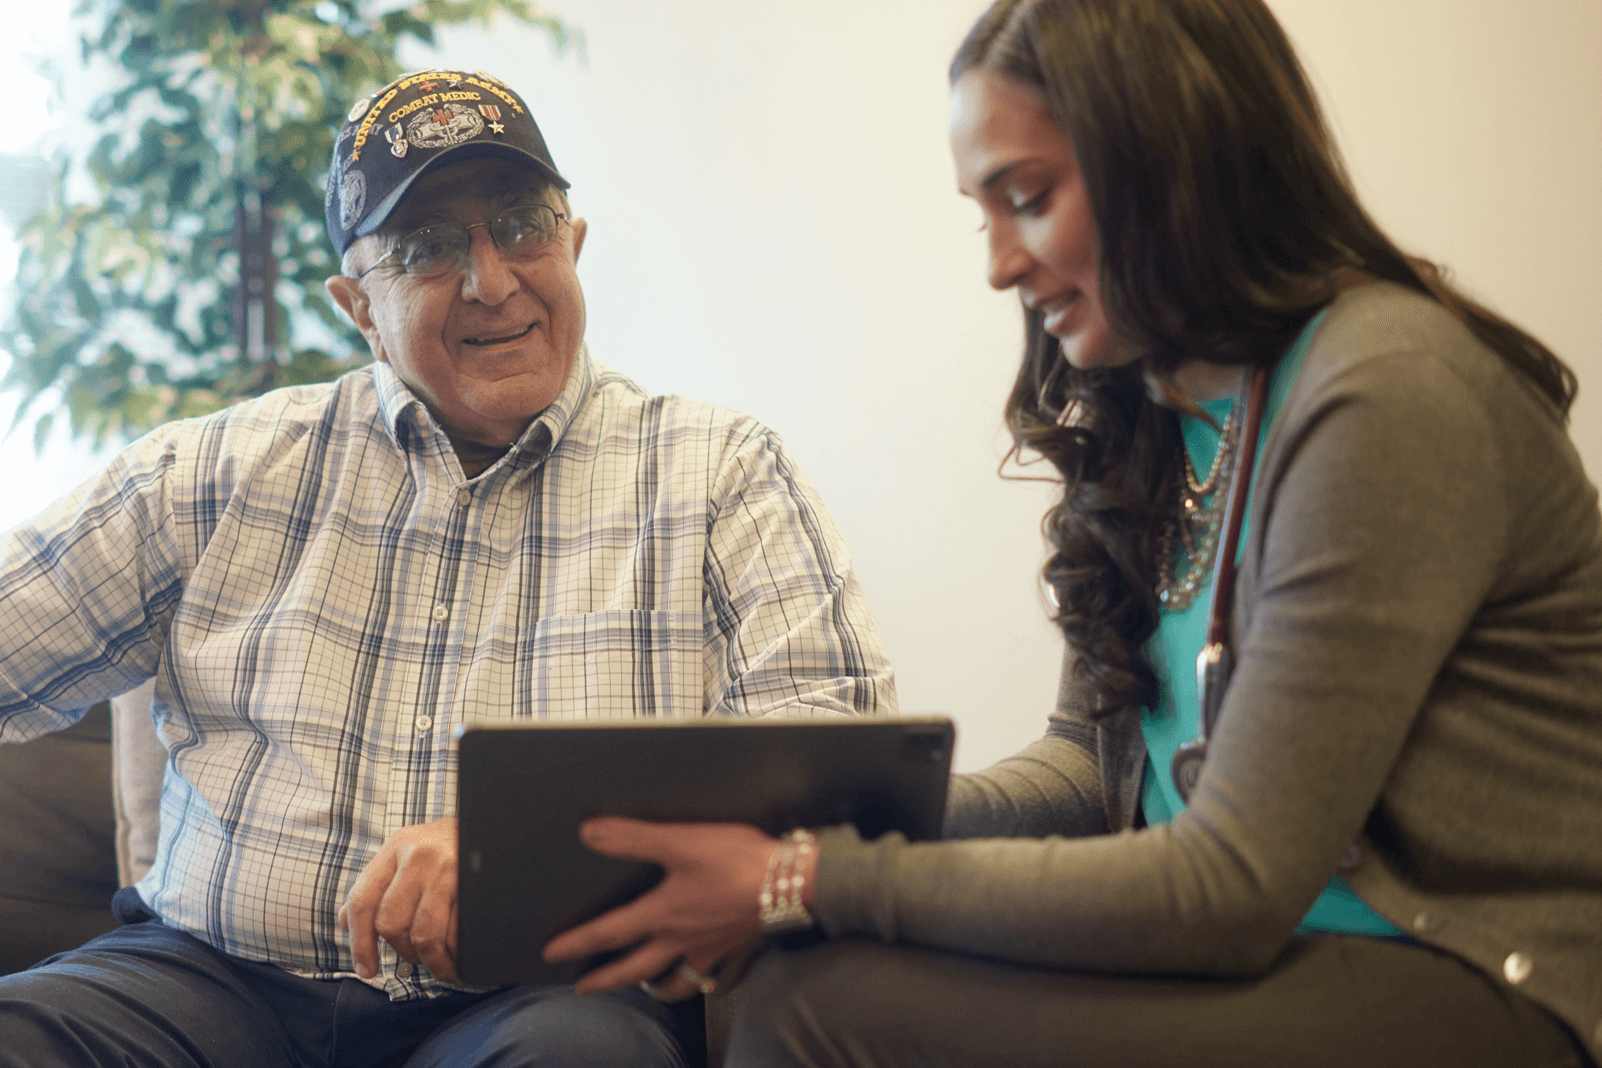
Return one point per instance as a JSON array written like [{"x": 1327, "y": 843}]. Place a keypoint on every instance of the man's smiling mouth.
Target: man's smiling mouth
[{"x": 499, "y": 340}]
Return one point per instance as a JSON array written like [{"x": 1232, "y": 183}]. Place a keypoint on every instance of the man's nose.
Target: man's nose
[{"x": 487, "y": 277}]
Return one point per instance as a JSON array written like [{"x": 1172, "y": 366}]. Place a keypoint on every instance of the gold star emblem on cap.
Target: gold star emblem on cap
[{"x": 496, "y": 127}]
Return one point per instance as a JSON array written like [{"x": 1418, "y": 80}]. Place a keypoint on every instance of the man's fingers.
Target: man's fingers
[
  {"x": 430, "y": 935},
  {"x": 360, "y": 908},
  {"x": 397, "y": 914},
  {"x": 407, "y": 897}
]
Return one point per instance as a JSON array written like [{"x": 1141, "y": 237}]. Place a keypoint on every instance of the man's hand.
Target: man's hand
[{"x": 407, "y": 896}]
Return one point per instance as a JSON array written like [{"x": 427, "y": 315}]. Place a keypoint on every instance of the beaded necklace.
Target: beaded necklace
[{"x": 1195, "y": 523}]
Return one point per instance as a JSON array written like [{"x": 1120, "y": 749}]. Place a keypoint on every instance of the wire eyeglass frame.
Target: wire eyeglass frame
[{"x": 458, "y": 239}]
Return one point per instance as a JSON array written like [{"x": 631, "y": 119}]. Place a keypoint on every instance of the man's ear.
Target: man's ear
[
  {"x": 580, "y": 228},
  {"x": 352, "y": 300}
]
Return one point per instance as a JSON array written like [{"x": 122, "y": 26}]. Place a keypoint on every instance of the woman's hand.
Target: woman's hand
[{"x": 703, "y": 908}]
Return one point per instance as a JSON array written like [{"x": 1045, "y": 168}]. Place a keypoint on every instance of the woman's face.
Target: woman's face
[{"x": 1019, "y": 165}]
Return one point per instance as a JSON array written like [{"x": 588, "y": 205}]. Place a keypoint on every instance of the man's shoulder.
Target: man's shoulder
[
  {"x": 624, "y": 403},
  {"x": 286, "y": 405},
  {"x": 289, "y": 411},
  {"x": 285, "y": 426}
]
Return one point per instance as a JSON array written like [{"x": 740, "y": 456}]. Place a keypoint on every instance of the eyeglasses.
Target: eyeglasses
[{"x": 520, "y": 233}]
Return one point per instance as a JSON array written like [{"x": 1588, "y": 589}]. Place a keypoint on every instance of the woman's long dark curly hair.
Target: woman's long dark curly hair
[{"x": 1225, "y": 221}]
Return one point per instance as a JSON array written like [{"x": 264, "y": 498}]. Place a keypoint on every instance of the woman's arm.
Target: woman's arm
[
  {"x": 1385, "y": 509},
  {"x": 1381, "y": 528},
  {"x": 1052, "y": 787}
]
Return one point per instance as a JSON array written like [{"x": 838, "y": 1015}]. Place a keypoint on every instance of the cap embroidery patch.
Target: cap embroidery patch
[
  {"x": 336, "y": 168},
  {"x": 352, "y": 197},
  {"x": 443, "y": 126},
  {"x": 395, "y": 89},
  {"x": 505, "y": 94},
  {"x": 438, "y": 113}
]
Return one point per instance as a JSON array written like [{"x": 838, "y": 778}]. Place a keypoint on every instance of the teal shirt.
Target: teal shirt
[{"x": 1173, "y": 650}]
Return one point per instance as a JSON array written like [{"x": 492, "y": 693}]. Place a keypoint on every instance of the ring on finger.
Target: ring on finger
[
  {"x": 650, "y": 988},
  {"x": 702, "y": 983}
]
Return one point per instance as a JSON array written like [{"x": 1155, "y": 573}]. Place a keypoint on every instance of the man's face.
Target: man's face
[{"x": 489, "y": 346}]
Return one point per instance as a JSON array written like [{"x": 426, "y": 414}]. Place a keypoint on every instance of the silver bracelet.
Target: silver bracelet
[{"x": 783, "y": 883}]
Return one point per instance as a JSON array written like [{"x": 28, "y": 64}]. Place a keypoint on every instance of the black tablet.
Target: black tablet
[{"x": 523, "y": 791}]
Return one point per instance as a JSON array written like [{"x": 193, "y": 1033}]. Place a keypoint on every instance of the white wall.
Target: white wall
[{"x": 774, "y": 227}]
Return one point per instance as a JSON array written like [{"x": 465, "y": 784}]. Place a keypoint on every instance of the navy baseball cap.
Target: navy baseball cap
[{"x": 416, "y": 124}]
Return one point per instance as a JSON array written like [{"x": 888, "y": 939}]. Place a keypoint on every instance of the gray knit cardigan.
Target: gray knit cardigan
[{"x": 1417, "y": 707}]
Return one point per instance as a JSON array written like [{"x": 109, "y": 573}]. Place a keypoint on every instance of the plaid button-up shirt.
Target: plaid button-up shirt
[{"x": 322, "y": 599}]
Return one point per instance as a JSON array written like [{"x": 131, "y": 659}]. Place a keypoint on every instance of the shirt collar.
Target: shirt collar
[{"x": 400, "y": 407}]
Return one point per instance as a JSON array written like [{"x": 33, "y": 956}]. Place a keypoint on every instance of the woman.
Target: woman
[{"x": 1392, "y": 854}]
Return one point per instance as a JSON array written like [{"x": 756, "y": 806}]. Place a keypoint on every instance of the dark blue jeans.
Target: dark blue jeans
[{"x": 148, "y": 995}]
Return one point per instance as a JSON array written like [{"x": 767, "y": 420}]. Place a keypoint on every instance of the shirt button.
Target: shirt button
[
  {"x": 424, "y": 723},
  {"x": 404, "y": 969},
  {"x": 1353, "y": 857},
  {"x": 440, "y": 613},
  {"x": 1517, "y": 968},
  {"x": 464, "y": 498}
]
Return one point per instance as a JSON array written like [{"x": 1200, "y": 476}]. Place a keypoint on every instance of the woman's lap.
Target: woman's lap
[{"x": 1329, "y": 1001}]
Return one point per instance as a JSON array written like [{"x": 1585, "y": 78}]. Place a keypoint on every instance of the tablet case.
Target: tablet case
[{"x": 524, "y": 877}]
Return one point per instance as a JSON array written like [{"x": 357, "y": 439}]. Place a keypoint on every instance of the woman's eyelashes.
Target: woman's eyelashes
[
  {"x": 1026, "y": 204},
  {"x": 1023, "y": 205}
]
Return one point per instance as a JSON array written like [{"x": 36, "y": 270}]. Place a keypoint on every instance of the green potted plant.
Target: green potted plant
[{"x": 192, "y": 276}]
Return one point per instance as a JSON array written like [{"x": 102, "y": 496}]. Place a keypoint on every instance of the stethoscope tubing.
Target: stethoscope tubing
[{"x": 1215, "y": 664}]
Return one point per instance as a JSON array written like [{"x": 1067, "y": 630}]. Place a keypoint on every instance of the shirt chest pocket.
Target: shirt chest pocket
[{"x": 616, "y": 665}]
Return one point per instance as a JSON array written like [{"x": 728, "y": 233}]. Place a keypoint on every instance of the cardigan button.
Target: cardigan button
[
  {"x": 1424, "y": 922},
  {"x": 1352, "y": 858},
  {"x": 1517, "y": 968}
]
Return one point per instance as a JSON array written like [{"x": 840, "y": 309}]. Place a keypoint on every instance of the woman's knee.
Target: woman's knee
[{"x": 816, "y": 1006}]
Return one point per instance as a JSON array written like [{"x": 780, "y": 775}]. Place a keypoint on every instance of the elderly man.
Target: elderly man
[{"x": 483, "y": 524}]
